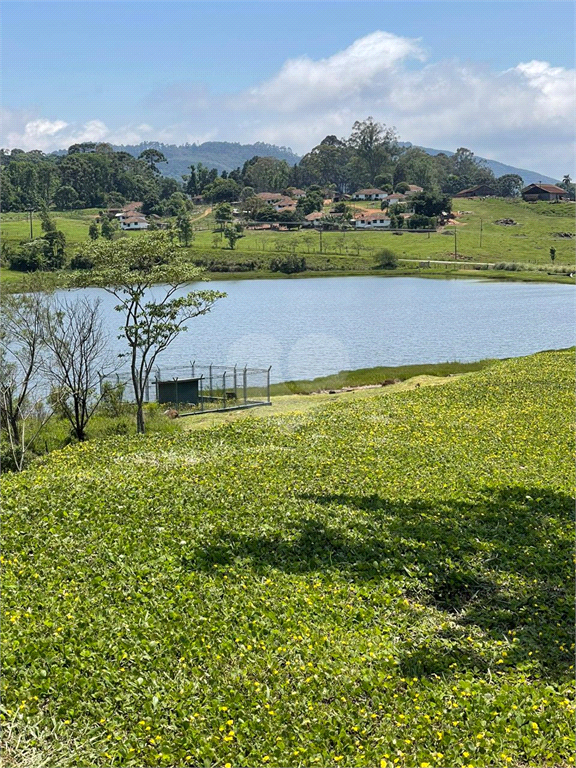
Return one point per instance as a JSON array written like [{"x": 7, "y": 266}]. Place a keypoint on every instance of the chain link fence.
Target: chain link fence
[{"x": 197, "y": 388}]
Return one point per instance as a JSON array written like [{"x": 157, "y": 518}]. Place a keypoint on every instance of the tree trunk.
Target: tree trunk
[{"x": 140, "y": 417}]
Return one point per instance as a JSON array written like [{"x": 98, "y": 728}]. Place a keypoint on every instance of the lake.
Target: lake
[{"x": 305, "y": 328}]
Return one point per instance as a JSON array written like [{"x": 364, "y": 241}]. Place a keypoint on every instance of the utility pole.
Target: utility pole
[
  {"x": 480, "y": 233},
  {"x": 455, "y": 246},
  {"x": 31, "y": 231},
  {"x": 320, "y": 230}
]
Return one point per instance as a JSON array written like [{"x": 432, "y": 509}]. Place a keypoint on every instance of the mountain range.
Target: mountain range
[{"x": 225, "y": 156}]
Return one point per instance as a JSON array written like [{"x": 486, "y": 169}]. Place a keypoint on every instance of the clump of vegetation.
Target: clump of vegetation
[
  {"x": 399, "y": 566},
  {"x": 386, "y": 259},
  {"x": 289, "y": 264}
]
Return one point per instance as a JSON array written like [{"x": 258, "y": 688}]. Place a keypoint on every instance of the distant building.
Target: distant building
[
  {"x": 270, "y": 197},
  {"x": 372, "y": 220},
  {"x": 543, "y": 192},
  {"x": 369, "y": 194},
  {"x": 413, "y": 189},
  {"x": 284, "y": 204},
  {"x": 314, "y": 218},
  {"x": 134, "y": 221},
  {"x": 482, "y": 190},
  {"x": 397, "y": 197}
]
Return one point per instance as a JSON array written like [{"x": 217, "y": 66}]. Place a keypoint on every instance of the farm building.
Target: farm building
[
  {"x": 413, "y": 189},
  {"x": 372, "y": 220},
  {"x": 133, "y": 221},
  {"x": 482, "y": 190},
  {"x": 543, "y": 192},
  {"x": 270, "y": 197},
  {"x": 284, "y": 204},
  {"x": 369, "y": 194}
]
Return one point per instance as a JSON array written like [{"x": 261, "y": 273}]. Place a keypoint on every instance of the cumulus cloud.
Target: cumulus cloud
[
  {"x": 363, "y": 66},
  {"x": 523, "y": 116}
]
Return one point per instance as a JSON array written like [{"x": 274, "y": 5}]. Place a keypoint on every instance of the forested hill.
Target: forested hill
[
  {"x": 222, "y": 155},
  {"x": 225, "y": 156},
  {"x": 497, "y": 168}
]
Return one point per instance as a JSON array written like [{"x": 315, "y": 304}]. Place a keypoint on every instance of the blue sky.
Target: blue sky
[{"x": 177, "y": 71}]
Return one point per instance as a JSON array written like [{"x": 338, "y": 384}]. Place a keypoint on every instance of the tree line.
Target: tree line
[{"x": 94, "y": 175}]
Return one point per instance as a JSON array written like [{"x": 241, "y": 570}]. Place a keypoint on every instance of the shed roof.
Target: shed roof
[{"x": 552, "y": 188}]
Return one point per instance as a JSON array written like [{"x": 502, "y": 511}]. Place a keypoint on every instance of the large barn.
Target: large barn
[{"x": 543, "y": 192}]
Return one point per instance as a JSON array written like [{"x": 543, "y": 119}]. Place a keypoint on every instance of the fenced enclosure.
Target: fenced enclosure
[{"x": 195, "y": 389}]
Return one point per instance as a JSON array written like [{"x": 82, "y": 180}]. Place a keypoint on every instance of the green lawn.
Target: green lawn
[
  {"x": 383, "y": 581},
  {"x": 15, "y": 227}
]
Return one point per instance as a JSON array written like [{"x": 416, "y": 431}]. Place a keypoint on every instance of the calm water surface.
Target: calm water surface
[{"x": 309, "y": 327}]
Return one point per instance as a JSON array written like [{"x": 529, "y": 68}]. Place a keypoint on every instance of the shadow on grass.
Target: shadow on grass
[{"x": 500, "y": 562}]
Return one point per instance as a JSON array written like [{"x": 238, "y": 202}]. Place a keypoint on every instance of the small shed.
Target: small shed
[{"x": 178, "y": 391}]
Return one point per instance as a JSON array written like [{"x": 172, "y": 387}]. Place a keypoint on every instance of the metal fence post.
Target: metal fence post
[
  {"x": 202, "y": 392},
  {"x": 235, "y": 384},
  {"x": 268, "y": 384},
  {"x": 224, "y": 389},
  {"x": 177, "y": 398},
  {"x": 210, "y": 369},
  {"x": 192, "y": 364},
  {"x": 245, "y": 386}
]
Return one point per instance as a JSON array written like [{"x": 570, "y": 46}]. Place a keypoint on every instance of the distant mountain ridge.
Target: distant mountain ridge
[
  {"x": 222, "y": 155},
  {"x": 497, "y": 168}
]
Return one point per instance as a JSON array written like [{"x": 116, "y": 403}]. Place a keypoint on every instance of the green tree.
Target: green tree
[
  {"x": 509, "y": 185},
  {"x": 232, "y": 233},
  {"x": 375, "y": 144},
  {"x": 222, "y": 191},
  {"x": 222, "y": 214},
  {"x": 552, "y": 254},
  {"x": 66, "y": 198},
  {"x": 128, "y": 269},
  {"x": 109, "y": 227},
  {"x": 93, "y": 231},
  {"x": 151, "y": 157},
  {"x": 184, "y": 228}
]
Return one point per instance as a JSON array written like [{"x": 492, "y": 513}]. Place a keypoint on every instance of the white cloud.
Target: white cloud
[
  {"x": 364, "y": 65},
  {"x": 522, "y": 116}
]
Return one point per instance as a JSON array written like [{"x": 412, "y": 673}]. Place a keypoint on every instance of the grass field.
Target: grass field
[
  {"x": 379, "y": 581},
  {"x": 529, "y": 242}
]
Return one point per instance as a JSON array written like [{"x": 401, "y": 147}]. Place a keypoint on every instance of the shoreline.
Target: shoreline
[{"x": 16, "y": 281}]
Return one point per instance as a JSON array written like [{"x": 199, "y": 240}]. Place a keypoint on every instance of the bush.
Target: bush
[
  {"x": 419, "y": 221},
  {"x": 288, "y": 264},
  {"x": 386, "y": 259}
]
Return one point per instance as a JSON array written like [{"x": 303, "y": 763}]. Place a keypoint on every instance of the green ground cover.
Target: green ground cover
[{"x": 377, "y": 582}]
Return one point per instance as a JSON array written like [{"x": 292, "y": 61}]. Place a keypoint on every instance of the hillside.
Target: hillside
[
  {"x": 223, "y": 155},
  {"x": 497, "y": 168},
  {"x": 379, "y": 583}
]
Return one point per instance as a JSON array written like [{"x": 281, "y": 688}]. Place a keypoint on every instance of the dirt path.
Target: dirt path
[{"x": 207, "y": 212}]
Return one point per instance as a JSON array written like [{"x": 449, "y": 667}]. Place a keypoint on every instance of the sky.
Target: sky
[{"x": 496, "y": 77}]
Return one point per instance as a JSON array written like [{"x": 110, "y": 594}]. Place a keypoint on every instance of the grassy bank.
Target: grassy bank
[
  {"x": 476, "y": 238},
  {"x": 377, "y": 582},
  {"x": 362, "y": 377}
]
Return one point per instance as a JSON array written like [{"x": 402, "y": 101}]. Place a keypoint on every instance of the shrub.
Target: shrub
[
  {"x": 386, "y": 259},
  {"x": 288, "y": 264}
]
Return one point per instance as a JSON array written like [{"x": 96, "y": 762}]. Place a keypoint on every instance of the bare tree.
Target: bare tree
[
  {"x": 23, "y": 413},
  {"x": 75, "y": 337}
]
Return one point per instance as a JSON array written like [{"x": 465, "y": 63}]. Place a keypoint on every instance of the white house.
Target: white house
[
  {"x": 369, "y": 194},
  {"x": 284, "y": 204},
  {"x": 134, "y": 221},
  {"x": 372, "y": 220}
]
